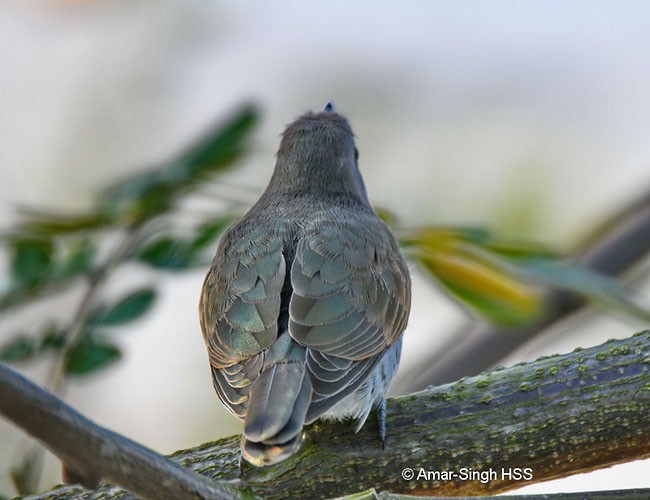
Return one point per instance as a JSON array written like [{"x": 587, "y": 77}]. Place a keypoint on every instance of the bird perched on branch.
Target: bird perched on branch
[{"x": 305, "y": 302}]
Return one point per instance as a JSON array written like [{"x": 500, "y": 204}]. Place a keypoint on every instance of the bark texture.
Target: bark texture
[{"x": 556, "y": 416}]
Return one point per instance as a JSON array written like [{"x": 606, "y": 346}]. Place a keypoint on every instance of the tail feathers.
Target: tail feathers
[{"x": 279, "y": 401}]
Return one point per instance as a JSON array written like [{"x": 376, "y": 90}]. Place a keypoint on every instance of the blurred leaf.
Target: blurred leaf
[
  {"x": 167, "y": 253},
  {"x": 152, "y": 192},
  {"x": 59, "y": 277},
  {"x": 582, "y": 281},
  {"x": 44, "y": 270},
  {"x": 435, "y": 237},
  {"x": 20, "y": 348},
  {"x": 53, "y": 338},
  {"x": 34, "y": 220},
  {"x": 209, "y": 232},
  {"x": 23, "y": 347},
  {"x": 219, "y": 147},
  {"x": 78, "y": 260},
  {"x": 386, "y": 215},
  {"x": 483, "y": 287},
  {"x": 486, "y": 291},
  {"x": 89, "y": 356},
  {"x": 495, "y": 278},
  {"x": 128, "y": 309},
  {"x": 520, "y": 250},
  {"x": 542, "y": 267},
  {"x": 31, "y": 260},
  {"x": 176, "y": 254}
]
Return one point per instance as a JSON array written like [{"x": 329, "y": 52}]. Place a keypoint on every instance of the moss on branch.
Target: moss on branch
[{"x": 556, "y": 416}]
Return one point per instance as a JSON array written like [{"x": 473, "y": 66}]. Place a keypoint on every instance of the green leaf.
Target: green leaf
[
  {"x": 175, "y": 254},
  {"x": 89, "y": 356},
  {"x": 53, "y": 338},
  {"x": 25, "y": 348},
  {"x": 219, "y": 147},
  {"x": 34, "y": 220},
  {"x": 56, "y": 270},
  {"x": 20, "y": 348},
  {"x": 520, "y": 250},
  {"x": 435, "y": 236},
  {"x": 130, "y": 308},
  {"x": 209, "y": 232},
  {"x": 152, "y": 192},
  {"x": 32, "y": 258},
  {"x": 582, "y": 281},
  {"x": 167, "y": 253},
  {"x": 78, "y": 260}
]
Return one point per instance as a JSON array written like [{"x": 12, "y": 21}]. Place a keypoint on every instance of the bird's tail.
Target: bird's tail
[{"x": 279, "y": 400}]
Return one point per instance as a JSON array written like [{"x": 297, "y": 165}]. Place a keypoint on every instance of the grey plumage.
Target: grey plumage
[{"x": 305, "y": 302}]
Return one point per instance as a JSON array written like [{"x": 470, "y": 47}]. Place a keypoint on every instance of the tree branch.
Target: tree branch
[
  {"x": 95, "y": 453},
  {"x": 556, "y": 416}
]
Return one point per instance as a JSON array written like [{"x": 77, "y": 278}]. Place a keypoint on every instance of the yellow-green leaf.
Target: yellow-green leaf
[{"x": 483, "y": 289}]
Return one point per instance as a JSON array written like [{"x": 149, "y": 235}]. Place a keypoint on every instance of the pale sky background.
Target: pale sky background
[{"x": 530, "y": 118}]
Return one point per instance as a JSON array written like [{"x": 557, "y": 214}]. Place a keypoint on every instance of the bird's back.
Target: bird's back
[{"x": 302, "y": 312}]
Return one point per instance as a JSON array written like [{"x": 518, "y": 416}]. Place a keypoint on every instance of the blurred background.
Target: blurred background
[{"x": 529, "y": 118}]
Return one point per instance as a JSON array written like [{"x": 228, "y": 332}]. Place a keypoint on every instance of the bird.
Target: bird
[{"x": 305, "y": 302}]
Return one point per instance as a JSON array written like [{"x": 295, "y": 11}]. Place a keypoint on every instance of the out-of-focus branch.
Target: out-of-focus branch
[
  {"x": 27, "y": 473},
  {"x": 96, "y": 282},
  {"x": 620, "y": 244},
  {"x": 93, "y": 453},
  {"x": 547, "y": 419}
]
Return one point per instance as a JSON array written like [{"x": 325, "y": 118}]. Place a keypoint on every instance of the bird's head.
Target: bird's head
[{"x": 318, "y": 151}]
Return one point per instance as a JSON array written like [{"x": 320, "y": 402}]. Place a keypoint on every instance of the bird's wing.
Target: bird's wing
[
  {"x": 351, "y": 293},
  {"x": 240, "y": 302}
]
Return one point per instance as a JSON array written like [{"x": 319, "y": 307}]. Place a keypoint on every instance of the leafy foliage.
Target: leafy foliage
[
  {"x": 39, "y": 263},
  {"x": 49, "y": 250},
  {"x": 502, "y": 281},
  {"x": 172, "y": 253},
  {"x": 89, "y": 356},
  {"x": 448, "y": 255},
  {"x": 32, "y": 259},
  {"x": 128, "y": 309},
  {"x": 167, "y": 253},
  {"x": 153, "y": 191},
  {"x": 20, "y": 348}
]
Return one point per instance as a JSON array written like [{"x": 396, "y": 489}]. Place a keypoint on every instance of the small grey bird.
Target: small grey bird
[{"x": 305, "y": 302}]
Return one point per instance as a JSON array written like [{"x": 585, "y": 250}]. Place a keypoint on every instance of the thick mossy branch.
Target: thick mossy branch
[{"x": 557, "y": 416}]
